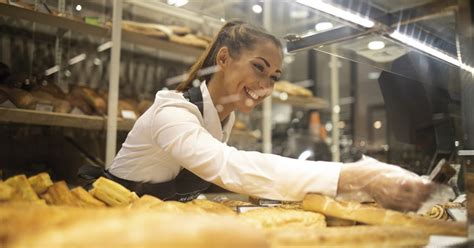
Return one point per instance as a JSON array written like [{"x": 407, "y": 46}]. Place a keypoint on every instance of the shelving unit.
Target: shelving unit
[
  {"x": 304, "y": 102},
  {"x": 98, "y": 31},
  {"x": 23, "y": 116}
]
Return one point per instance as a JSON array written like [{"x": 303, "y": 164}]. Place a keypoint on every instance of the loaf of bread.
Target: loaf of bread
[
  {"x": 80, "y": 103},
  {"x": 354, "y": 236},
  {"x": 274, "y": 217},
  {"x": 21, "y": 98},
  {"x": 190, "y": 40},
  {"x": 149, "y": 29},
  {"x": 22, "y": 188},
  {"x": 292, "y": 89},
  {"x": 40, "y": 182},
  {"x": 91, "y": 98},
  {"x": 112, "y": 193},
  {"x": 59, "y": 194},
  {"x": 85, "y": 198},
  {"x": 379, "y": 216}
]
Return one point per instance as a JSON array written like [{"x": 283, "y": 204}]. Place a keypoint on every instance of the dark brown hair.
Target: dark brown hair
[{"x": 234, "y": 35}]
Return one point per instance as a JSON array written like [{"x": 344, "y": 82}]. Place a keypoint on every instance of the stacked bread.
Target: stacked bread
[{"x": 35, "y": 211}]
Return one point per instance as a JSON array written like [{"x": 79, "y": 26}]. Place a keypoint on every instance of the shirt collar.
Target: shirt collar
[{"x": 212, "y": 122}]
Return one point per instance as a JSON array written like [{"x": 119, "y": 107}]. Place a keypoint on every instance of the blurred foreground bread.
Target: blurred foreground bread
[
  {"x": 354, "y": 236},
  {"x": 379, "y": 216},
  {"x": 273, "y": 217},
  {"x": 73, "y": 227},
  {"x": 59, "y": 194},
  {"x": 211, "y": 207},
  {"x": 6, "y": 191}
]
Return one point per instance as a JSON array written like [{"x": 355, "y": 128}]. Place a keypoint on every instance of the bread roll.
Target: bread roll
[
  {"x": 379, "y": 216},
  {"x": 355, "y": 236}
]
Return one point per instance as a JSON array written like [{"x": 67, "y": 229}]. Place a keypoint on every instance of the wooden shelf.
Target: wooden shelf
[
  {"x": 304, "y": 102},
  {"x": 99, "y": 31},
  {"x": 23, "y": 116}
]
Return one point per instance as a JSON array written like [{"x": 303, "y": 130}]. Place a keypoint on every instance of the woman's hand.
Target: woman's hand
[{"x": 389, "y": 185}]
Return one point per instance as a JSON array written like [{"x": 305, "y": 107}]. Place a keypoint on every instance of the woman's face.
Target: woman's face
[{"x": 250, "y": 76}]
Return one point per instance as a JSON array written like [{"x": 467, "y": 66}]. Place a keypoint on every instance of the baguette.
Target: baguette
[
  {"x": 22, "y": 188},
  {"x": 59, "y": 194},
  {"x": 112, "y": 193},
  {"x": 40, "y": 182},
  {"x": 379, "y": 216},
  {"x": 85, "y": 198}
]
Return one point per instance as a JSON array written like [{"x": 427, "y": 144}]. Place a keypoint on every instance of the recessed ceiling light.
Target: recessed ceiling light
[
  {"x": 222, "y": 20},
  {"x": 376, "y": 45},
  {"x": 323, "y": 26},
  {"x": 257, "y": 8},
  {"x": 78, "y": 7}
]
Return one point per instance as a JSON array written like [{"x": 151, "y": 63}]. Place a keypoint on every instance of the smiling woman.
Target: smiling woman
[{"x": 179, "y": 145}]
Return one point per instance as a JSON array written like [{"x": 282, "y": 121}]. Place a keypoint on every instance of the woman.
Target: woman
[{"x": 179, "y": 145}]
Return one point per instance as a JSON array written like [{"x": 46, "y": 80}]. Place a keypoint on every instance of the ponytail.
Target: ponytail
[{"x": 235, "y": 35}]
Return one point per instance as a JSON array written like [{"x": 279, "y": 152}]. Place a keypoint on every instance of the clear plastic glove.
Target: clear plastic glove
[{"x": 389, "y": 185}]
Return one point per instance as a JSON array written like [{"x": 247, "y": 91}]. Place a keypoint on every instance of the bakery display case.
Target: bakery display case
[{"x": 389, "y": 79}]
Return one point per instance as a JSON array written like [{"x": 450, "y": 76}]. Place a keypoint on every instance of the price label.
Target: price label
[
  {"x": 128, "y": 114},
  {"x": 77, "y": 111}
]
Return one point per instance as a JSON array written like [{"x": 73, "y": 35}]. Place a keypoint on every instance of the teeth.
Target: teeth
[{"x": 251, "y": 93}]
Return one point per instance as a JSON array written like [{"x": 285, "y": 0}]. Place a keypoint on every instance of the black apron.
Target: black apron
[{"x": 186, "y": 186}]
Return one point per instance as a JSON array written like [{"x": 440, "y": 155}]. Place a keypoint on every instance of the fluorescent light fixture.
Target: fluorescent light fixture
[
  {"x": 178, "y": 3},
  {"x": 335, "y": 11},
  {"x": 257, "y": 9},
  {"x": 77, "y": 59},
  {"x": 376, "y": 45},
  {"x": 321, "y": 26},
  {"x": 105, "y": 46},
  {"x": 305, "y": 155},
  {"x": 51, "y": 70},
  {"x": 430, "y": 50}
]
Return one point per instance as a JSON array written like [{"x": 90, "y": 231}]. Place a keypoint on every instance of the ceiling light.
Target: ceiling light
[
  {"x": 343, "y": 14},
  {"x": 376, "y": 45},
  {"x": 222, "y": 20},
  {"x": 178, "y": 3},
  {"x": 430, "y": 50},
  {"x": 78, "y": 7},
  {"x": 377, "y": 124},
  {"x": 323, "y": 26},
  {"x": 257, "y": 8}
]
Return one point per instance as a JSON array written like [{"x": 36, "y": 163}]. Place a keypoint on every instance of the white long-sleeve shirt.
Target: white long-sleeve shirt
[{"x": 173, "y": 134}]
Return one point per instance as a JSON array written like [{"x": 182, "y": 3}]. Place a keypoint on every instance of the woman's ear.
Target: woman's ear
[{"x": 222, "y": 57}]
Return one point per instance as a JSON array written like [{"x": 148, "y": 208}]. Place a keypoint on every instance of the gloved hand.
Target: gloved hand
[{"x": 389, "y": 185}]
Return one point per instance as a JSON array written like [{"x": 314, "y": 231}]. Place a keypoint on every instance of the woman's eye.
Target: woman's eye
[{"x": 259, "y": 67}]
